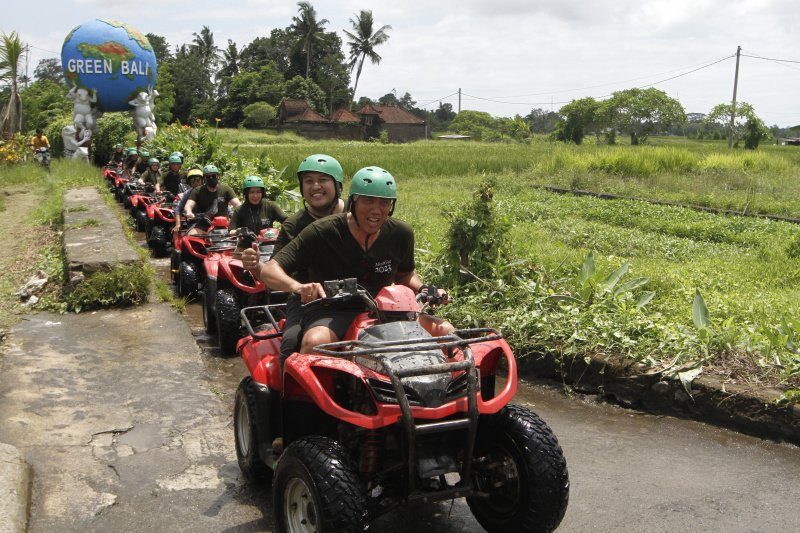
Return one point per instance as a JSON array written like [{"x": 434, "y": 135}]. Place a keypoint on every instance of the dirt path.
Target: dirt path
[{"x": 22, "y": 248}]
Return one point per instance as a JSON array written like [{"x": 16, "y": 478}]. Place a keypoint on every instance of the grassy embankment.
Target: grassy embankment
[{"x": 746, "y": 269}]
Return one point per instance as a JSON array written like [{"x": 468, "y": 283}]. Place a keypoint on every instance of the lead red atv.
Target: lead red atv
[
  {"x": 229, "y": 287},
  {"x": 389, "y": 416}
]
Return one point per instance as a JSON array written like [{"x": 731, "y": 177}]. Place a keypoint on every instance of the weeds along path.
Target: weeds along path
[{"x": 23, "y": 245}]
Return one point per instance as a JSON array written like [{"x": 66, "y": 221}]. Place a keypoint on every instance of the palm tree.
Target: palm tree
[
  {"x": 363, "y": 42},
  {"x": 308, "y": 28},
  {"x": 203, "y": 45},
  {"x": 11, "y": 49}
]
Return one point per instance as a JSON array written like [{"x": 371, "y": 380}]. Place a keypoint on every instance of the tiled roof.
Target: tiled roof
[
  {"x": 300, "y": 111},
  {"x": 343, "y": 115},
  {"x": 390, "y": 114}
]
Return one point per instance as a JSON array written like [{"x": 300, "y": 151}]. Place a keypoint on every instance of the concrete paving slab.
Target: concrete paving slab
[{"x": 14, "y": 490}]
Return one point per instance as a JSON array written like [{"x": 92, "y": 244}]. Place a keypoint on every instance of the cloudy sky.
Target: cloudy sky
[{"x": 506, "y": 56}]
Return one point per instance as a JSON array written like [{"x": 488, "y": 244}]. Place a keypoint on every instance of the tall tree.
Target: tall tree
[
  {"x": 746, "y": 124},
  {"x": 309, "y": 29},
  {"x": 228, "y": 69},
  {"x": 160, "y": 47},
  {"x": 362, "y": 43},
  {"x": 203, "y": 45},
  {"x": 578, "y": 116},
  {"x": 11, "y": 48},
  {"x": 191, "y": 81},
  {"x": 639, "y": 112},
  {"x": 49, "y": 69}
]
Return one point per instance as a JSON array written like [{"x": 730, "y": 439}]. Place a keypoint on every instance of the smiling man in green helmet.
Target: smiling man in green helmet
[
  {"x": 364, "y": 243},
  {"x": 171, "y": 179}
]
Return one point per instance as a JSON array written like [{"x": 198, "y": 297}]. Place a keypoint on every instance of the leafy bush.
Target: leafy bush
[
  {"x": 53, "y": 132},
  {"x": 477, "y": 238},
  {"x": 259, "y": 115},
  {"x": 122, "y": 285},
  {"x": 112, "y": 128}
]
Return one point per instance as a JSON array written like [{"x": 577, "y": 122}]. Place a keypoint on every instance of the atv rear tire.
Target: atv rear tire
[
  {"x": 158, "y": 241},
  {"x": 187, "y": 280},
  {"x": 316, "y": 488},
  {"x": 519, "y": 464},
  {"x": 148, "y": 229},
  {"x": 209, "y": 299},
  {"x": 229, "y": 322},
  {"x": 245, "y": 431}
]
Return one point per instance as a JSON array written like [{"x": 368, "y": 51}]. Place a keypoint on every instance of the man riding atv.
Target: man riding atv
[
  {"x": 152, "y": 174},
  {"x": 212, "y": 199},
  {"x": 172, "y": 179},
  {"x": 117, "y": 157},
  {"x": 364, "y": 243}
]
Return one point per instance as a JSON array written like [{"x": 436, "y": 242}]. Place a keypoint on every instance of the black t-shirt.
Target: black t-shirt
[
  {"x": 212, "y": 203},
  {"x": 257, "y": 217},
  {"x": 171, "y": 181},
  {"x": 326, "y": 250},
  {"x": 291, "y": 228}
]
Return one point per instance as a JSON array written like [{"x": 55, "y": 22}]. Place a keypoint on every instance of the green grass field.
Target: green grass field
[{"x": 746, "y": 269}]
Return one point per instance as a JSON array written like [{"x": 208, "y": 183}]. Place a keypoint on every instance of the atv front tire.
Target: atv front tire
[
  {"x": 229, "y": 322},
  {"x": 158, "y": 241},
  {"x": 519, "y": 464},
  {"x": 209, "y": 297},
  {"x": 316, "y": 488},
  {"x": 141, "y": 220},
  {"x": 174, "y": 266},
  {"x": 245, "y": 432},
  {"x": 187, "y": 280}
]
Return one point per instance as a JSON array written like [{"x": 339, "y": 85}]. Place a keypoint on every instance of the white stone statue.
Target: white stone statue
[
  {"x": 143, "y": 117},
  {"x": 74, "y": 142},
  {"x": 82, "y": 110}
]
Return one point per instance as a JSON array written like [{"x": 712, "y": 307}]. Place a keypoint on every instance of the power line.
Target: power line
[
  {"x": 772, "y": 59},
  {"x": 437, "y": 99},
  {"x": 700, "y": 65},
  {"x": 606, "y": 95}
]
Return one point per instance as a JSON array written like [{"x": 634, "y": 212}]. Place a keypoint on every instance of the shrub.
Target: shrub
[
  {"x": 120, "y": 286},
  {"x": 259, "y": 115},
  {"x": 112, "y": 128}
]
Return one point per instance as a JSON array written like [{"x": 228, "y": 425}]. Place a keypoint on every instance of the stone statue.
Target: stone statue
[
  {"x": 82, "y": 110},
  {"x": 74, "y": 142},
  {"x": 143, "y": 117}
]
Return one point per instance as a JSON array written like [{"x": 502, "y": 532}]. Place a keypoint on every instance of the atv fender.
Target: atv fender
[{"x": 268, "y": 419}]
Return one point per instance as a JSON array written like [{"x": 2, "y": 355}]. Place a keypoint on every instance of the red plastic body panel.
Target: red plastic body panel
[{"x": 310, "y": 377}]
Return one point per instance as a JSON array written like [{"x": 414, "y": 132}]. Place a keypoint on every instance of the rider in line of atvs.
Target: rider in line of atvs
[{"x": 382, "y": 404}]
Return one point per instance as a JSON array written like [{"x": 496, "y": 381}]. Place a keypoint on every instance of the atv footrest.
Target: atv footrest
[{"x": 447, "y": 425}]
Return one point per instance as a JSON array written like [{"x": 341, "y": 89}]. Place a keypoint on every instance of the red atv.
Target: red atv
[
  {"x": 158, "y": 224},
  {"x": 389, "y": 416},
  {"x": 111, "y": 173},
  {"x": 141, "y": 197},
  {"x": 189, "y": 251},
  {"x": 229, "y": 287}
]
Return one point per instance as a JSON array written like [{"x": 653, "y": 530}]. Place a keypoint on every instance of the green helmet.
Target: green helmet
[
  {"x": 174, "y": 159},
  {"x": 178, "y": 154},
  {"x": 144, "y": 153},
  {"x": 322, "y": 163},
  {"x": 373, "y": 181},
  {"x": 118, "y": 145},
  {"x": 153, "y": 161},
  {"x": 253, "y": 181},
  {"x": 132, "y": 151},
  {"x": 210, "y": 169}
]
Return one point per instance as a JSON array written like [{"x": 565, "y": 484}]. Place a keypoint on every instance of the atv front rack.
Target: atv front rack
[{"x": 376, "y": 350}]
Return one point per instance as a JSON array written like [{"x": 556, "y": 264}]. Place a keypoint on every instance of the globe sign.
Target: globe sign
[{"x": 111, "y": 57}]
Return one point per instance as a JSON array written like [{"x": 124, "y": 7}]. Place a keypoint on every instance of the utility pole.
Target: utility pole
[
  {"x": 459, "y": 99},
  {"x": 733, "y": 107}
]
